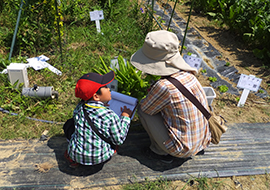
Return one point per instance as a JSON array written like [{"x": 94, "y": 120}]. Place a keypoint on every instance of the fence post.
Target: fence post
[
  {"x": 58, "y": 28},
  {"x": 15, "y": 32},
  {"x": 172, "y": 14},
  {"x": 183, "y": 42}
]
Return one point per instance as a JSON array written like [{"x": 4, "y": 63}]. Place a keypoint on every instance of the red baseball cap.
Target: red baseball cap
[{"x": 89, "y": 84}]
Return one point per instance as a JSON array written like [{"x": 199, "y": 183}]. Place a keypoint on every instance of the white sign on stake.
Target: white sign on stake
[
  {"x": 248, "y": 83},
  {"x": 96, "y": 16},
  {"x": 193, "y": 61}
]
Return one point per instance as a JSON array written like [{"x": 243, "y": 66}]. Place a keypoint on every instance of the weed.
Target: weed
[
  {"x": 267, "y": 179},
  {"x": 221, "y": 104},
  {"x": 159, "y": 184},
  {"x": 239, "y": 113},
  {"x": 261, "y": 91},
  {"x": 204, "y": 183},
  {"x": 227, "y": 64},
  {"x": 123, "y": 28}
]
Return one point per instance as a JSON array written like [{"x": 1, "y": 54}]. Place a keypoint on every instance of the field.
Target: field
[{"x": 123, "y": 33}]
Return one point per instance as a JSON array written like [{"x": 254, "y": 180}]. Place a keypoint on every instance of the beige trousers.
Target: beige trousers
[{"x": 157, "y": 131}]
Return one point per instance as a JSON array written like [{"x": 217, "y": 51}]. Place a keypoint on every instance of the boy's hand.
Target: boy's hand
[{"x": 126, "y": 111}]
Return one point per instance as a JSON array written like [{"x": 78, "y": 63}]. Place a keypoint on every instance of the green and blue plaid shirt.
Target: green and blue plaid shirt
[{"x": 86, "y": 147}]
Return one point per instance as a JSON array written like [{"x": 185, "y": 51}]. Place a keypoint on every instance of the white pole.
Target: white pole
[
  {"x": 98, "y": 26},
  {"x": 243, "y": 98}
]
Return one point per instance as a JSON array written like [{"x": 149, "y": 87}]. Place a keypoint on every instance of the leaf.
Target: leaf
[
  {"x": 258, "y": 53},
  {"x": 211, "y": 14},
  {"x": 104, "y": 65}
]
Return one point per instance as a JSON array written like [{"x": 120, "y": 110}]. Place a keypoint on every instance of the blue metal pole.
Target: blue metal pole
[{"x": 15, "y": 32}]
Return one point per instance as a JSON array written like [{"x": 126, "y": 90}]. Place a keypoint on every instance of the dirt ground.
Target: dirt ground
[{"x": 233, "y": 50}]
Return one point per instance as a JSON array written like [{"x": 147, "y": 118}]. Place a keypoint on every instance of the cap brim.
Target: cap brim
[
  {"x": 157, "y": 67},
  {"x": 107, "y": 78}
]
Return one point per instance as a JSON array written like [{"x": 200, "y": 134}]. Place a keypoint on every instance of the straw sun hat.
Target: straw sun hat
[{"x": 159, "y": 55}]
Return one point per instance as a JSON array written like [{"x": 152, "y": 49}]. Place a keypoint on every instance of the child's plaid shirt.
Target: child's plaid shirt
[{"x": 86, "y": 147}]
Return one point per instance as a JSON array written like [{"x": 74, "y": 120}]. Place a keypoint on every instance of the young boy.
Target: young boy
[{"x": 85, "y": 146}]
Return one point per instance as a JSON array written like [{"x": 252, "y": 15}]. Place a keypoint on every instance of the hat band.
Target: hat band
[{"x": 157, "y": 54}]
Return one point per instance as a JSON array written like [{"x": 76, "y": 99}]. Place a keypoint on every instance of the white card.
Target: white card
[
  {"x": 96, "y": 15},
  {"x": 193, "y": 61},
  {"x": 249, "y": 82}
]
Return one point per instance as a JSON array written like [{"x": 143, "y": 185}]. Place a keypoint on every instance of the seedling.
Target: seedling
[
  {"x": 203, "y": 70},
  {"x": 261, "y": 91},
  {"x": 223, "y": 88},
  {"x": 227, "y": 64},
  {"x": 212, "y": 79}
]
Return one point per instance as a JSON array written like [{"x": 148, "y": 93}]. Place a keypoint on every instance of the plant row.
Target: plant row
[{"x": 248, "y": 18}]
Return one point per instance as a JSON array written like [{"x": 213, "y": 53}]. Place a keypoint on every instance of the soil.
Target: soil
[{"x": 233, "y": 50}]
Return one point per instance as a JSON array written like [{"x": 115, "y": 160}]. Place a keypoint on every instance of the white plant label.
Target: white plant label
[
  {"x": 96, "y": 15},
  {"x": 193, "y": 61},
  {"x": 249, "y": 82}
]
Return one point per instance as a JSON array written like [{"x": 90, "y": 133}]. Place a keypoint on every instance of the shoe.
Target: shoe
[
  {"x": 116, "y": 149},
  {"x": 200, "y": 153},
  {"x": 71, "y": 163},
  {"x": 167, "y": 159}
]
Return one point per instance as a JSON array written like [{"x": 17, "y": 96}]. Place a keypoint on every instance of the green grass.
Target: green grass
[
  {"x": 123, "y": 33},
  {"x": 199, "y": 183},
  {"x": 160, "y": 184}
]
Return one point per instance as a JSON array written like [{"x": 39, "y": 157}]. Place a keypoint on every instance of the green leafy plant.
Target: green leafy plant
[
  {"x": 248, "y": 18},
  {"x": 212, "y": 79},
  {"x": 261, "y": 91},
  {"x": 38, "y": 25},
  {"x": 203, "y": 70},
  {"x": 227, "y": 64},
  {"x": 223, "y": 88},
  {"x": 189, "y": 53},
  {"x": 130, "y": 81}
]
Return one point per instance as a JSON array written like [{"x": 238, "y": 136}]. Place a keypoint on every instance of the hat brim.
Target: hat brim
[
  {"x": 107, "y": 78},
  {"x": 159, "y": 67}
]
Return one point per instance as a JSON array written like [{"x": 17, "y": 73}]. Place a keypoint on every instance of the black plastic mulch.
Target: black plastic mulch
[{"x": 244, "y": 150}]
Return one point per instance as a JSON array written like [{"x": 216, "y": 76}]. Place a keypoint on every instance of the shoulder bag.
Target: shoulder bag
[{"x": 216, "y": 122}]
